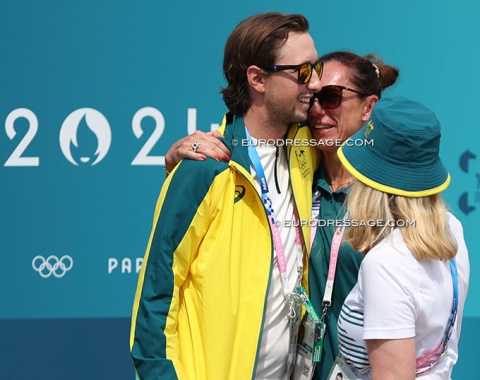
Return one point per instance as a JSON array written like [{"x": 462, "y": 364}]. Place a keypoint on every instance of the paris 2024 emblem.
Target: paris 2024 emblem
[{"x": 94, "y": 128}]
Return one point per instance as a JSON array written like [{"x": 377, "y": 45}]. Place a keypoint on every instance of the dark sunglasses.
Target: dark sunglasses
[
  {"x": 330, "y": 97},
  {"x": 305, "y": 70}
]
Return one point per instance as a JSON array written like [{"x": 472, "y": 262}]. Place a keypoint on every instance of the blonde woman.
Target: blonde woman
[{"x": 403, "y": 317}]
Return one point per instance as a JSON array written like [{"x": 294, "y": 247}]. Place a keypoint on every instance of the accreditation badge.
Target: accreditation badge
[
  {"x": 341, "y": 370},
  {"x": 309, "y": 341},
  {"x": 295, "y": 311}
]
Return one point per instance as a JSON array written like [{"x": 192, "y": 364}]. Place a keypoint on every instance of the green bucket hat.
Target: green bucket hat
[{"x": 399, "y": 153}]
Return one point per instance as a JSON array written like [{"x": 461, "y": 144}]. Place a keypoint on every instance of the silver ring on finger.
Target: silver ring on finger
[{"x": 195, "y": 146}]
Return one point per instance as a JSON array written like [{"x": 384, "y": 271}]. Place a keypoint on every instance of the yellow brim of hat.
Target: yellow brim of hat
[{"x": 387, "y": 189}]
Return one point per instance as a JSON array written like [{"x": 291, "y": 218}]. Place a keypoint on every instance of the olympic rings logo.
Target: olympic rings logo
[{"x": 52, "y": 265}]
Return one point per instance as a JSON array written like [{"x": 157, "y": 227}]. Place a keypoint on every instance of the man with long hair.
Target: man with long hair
[{"x": 214, "y": 295}]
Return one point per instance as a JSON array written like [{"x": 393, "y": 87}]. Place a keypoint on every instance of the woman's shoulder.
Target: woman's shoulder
[
  {"x": 390, "y": 248},
  {"x": 455, "y": 224}
]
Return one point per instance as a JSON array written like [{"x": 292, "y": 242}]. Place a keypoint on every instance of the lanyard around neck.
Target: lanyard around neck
[
  {"x": 334, "y": 248},
  {"x": 448, "y": 331},
  {"x": 315, "y": 214},
  {"x": 332, "y": 266},
  {"x": 277, "y": 240}
]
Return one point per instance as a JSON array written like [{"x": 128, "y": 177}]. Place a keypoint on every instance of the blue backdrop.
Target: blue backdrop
[{"x": 93, "y": 93}]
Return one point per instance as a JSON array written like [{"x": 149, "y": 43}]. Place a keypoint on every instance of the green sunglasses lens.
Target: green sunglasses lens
[
  {"x": 319, "y": 69},
  {"x": 305, "y": 73}
]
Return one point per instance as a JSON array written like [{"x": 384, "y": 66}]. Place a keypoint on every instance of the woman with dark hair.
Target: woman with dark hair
[{"x": 351, "y": 86}]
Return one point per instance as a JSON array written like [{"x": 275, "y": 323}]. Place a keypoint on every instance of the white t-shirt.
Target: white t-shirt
[
  {"x": 398, "y": 297},
  {"x": 272, "y": 361}
]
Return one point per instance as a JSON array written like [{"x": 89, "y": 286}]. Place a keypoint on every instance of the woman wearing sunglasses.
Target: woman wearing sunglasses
[{"x": 351, "y": 85}]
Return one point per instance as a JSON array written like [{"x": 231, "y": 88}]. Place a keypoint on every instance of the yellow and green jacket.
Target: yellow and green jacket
[{"x": 201, "y": 296}]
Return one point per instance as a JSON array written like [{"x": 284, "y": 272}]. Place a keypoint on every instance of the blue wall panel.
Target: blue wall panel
[{"x": 73, "y": 349}]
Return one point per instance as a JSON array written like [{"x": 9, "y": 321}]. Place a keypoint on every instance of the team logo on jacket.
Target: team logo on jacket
[
  {"x": 239, "y": 193},
  {"x": 302, "y": 162}
]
